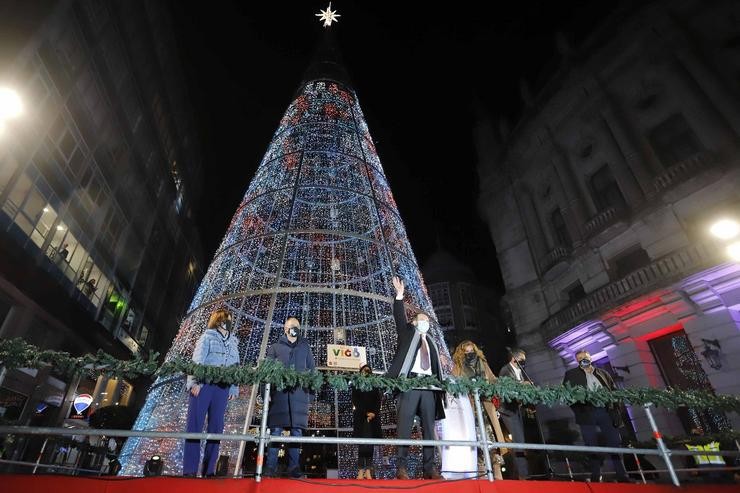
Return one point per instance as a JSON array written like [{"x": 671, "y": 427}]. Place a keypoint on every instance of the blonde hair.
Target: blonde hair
[
  {"x": 217, "y": 318},
  {"x": 458, "y": 357}
]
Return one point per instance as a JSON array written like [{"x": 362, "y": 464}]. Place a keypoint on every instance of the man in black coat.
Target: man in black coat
[
  {"x": 511, "y": 412},
  {"x": 416, "y": 356},
  {"x": 289, "y": 407},
  {"x": 591, "y": 418}
]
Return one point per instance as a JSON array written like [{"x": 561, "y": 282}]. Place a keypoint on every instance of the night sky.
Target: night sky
[{"x": 417, "y": 70}]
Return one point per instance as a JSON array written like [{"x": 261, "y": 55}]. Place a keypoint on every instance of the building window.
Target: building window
[
  {"x": 92, "y": 282},
  {"x": 143, "y": 335},
  {"x": 562, "y": 237},
  {"x": 681, "y": 369},
  {"x": 471, "y": 318},
  {"x": 605, "y": 191},
  {"x": 444, "y": 317},
  {"x": 130, "y": 322},
  {"x": 630, "y": 262},
  {"x": 114, "y": 307},
  {"x": 674, "y": 141},
  {"x": 8, "y": 165},
  {"x": 467, "y": 295},
  {"x": 440, "y": 294},
  {"x": 29, "y": 209}
]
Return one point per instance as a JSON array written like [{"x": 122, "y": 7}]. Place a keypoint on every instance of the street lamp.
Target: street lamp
[
  {"x": 733, "y": 250},
  {"x": 10, "y": 104},
  {"x": 725, "y": 229}
]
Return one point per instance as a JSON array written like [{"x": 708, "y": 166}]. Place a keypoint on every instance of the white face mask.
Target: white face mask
[{"x": 422, "y": 326}]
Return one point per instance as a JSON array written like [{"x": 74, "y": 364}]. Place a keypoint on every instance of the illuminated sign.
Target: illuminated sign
[
  {"x": 349, "y": 357},
  {"x": 82, "y": 402}
]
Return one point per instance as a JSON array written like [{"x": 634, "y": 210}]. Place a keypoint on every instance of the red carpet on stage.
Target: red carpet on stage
[{"x": 72, "y": 484}]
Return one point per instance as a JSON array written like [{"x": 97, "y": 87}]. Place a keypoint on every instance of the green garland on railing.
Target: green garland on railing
[{"x": 16, "y": 353}]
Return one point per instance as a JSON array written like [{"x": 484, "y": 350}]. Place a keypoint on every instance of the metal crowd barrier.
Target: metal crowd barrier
[{"x": 263, "y": 439}]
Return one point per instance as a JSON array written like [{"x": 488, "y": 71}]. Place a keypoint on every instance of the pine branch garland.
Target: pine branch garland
[{"x": 16, "y": 353}]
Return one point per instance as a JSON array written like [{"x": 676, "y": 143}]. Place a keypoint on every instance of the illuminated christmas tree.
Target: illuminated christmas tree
[{"x": 317, "y": 236}]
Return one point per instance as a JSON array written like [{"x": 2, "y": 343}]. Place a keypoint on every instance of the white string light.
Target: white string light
[{"x": 318, "y": 231}]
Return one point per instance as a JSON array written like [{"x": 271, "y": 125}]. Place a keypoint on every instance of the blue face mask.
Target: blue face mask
[
  {"x": 422, "y": 326},
  {"x": 584, "y": 363}
]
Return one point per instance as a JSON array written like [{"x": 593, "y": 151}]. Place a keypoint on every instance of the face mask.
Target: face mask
[
  {"x": 584, "y": 363},
  {"x": 470, "y": 358},
  {"x": 422, "y": 326},
  {"x": 522, "y": 362},
  {"x": 293, "y": 332},
  {"x": 226, "y": 325}
]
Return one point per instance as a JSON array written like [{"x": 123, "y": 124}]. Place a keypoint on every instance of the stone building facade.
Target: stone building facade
[{"x": 600, "y": 198}]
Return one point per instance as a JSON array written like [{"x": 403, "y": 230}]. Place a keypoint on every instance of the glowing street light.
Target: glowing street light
[
  {"x": 725, "y": 229},
  {"x": 733, "y": 250},
  {"x": 10, "y": 104}
]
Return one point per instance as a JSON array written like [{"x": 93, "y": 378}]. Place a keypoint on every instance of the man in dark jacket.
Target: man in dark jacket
[
  {"x": 416, "y": 356},
  {"x": 289, "y": 407},
  {"x": 592, "y": 418},
  {"x": 511, "y": 412}
]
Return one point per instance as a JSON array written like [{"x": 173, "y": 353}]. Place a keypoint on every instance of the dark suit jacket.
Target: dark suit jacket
[
  {"x": 512, "y": 407},
  {"x": 584, "y": 412},
  {"x": 406, "y": 332}
]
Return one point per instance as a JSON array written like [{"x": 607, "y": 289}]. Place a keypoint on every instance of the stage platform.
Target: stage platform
[{"x": 76, "y": 484}]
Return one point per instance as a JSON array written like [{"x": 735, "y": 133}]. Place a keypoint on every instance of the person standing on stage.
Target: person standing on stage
[
  {"x": 590, "y": 418},
  {"x": 416, "y": 356},
  {"x": 218, "y": 346},
  {"x": 470, "y": 362},
  {"x": 511, "y": 412},
  {"x": 366, "y": 424},
  {"x": 289, "y": 407}
]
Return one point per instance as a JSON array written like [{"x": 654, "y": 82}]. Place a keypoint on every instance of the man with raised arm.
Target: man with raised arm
[{"x": 416, "y": 356}]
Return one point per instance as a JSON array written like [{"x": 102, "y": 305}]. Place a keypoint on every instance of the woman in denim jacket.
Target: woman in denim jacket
[{"x": 218, "y": 346}]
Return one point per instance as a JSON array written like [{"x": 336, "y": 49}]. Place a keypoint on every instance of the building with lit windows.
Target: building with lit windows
[
  {"x": 600, "y": 201},
  {"x": 99, "y": 179},
  {"x": 465, "y": 309}
]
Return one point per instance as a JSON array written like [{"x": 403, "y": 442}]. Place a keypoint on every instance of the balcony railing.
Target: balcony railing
[
  {"x": 683, "y": 170},
  {"x": 556, "y": 255},
  {"x": 600, "y": 221},
  {"x": 668, "y": 269}
]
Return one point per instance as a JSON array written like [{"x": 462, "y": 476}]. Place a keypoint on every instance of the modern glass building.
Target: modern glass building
[{"x": 99, "y": 179}]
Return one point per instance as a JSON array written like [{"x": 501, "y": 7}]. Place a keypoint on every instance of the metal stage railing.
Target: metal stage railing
[{"x": 263, "y": 439}]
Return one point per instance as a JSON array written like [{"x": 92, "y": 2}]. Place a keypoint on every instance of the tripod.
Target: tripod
[{"x": 550, "y": 470}]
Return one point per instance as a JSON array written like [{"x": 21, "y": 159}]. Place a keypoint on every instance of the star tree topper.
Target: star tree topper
[{"x": 328, "y": 16}]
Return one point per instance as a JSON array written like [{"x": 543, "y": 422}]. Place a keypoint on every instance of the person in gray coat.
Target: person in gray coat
[{"x": 289, "y": 407}]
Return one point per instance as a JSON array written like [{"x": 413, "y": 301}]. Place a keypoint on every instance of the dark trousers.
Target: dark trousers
[
  {"x": 515, "y": 425},
  {"x": 611, "y": 439},
  {"x": 365, "y": 456},
  {"x": 416, "y": 403},
  {"x": 363, "y": 429},
  {"x": 294, "y": 450},
  {"x": 211, "y": 401}
]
